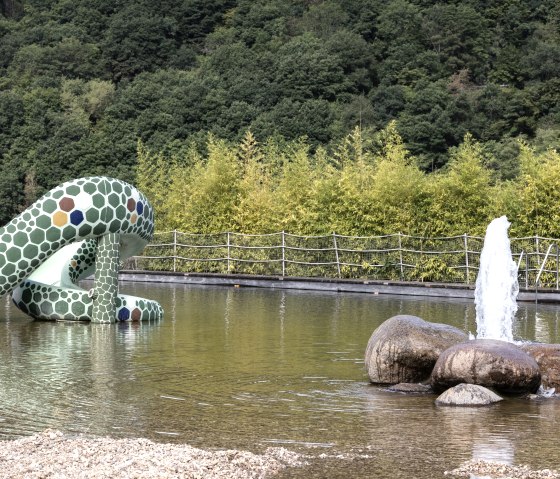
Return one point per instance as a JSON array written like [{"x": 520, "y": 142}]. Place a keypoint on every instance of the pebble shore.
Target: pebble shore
[
  {"x": 495, "y": 470},
  {"x": 51, "y": 454},
  {"x": 54, "y": 455}
]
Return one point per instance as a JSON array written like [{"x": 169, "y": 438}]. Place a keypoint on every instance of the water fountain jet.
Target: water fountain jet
[
  {"x": 496, "y": 285},
  {"x": 492, "y": 360}
]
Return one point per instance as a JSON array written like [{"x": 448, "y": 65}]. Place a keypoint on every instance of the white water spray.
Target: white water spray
[{"x": 496, "y": 285}]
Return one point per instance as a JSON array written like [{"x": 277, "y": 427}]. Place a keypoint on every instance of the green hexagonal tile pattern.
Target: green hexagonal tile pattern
[
  {"x": 106, "y": 280},
  {"x": 66, "y": 235}
]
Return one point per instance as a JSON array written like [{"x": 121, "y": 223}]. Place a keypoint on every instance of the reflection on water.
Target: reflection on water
[
  {"x": 496, "y": 449},
  {"x": 251, "y": 368}
]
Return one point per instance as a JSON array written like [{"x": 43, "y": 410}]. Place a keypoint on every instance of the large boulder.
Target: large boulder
[
  {"x": 468, "y": 395},
  {"x": 547, "y": 357},
  {"x": 405, "y": 348},
  {"x": 494, "y": 364}
]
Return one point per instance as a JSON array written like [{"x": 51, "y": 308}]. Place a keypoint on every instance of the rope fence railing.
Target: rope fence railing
[{"x": 397, "y": 256}]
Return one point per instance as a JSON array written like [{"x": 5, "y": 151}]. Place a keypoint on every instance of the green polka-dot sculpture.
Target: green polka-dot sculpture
[{"x": 52, "y": 245}]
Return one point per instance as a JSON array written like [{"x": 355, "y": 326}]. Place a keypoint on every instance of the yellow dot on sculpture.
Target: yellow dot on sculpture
[
  {"x": 133, "y": 218},
  {"x": 60, "y": 218}
]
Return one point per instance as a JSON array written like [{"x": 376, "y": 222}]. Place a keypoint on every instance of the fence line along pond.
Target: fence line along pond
[{"x": 400, "y": 257}]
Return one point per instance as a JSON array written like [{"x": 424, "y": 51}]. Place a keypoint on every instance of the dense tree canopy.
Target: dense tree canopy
[{"x": 82, "y": 81}]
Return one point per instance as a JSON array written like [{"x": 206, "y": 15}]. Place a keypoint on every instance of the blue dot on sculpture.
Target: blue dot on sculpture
[{"x": 81, "y": 226}]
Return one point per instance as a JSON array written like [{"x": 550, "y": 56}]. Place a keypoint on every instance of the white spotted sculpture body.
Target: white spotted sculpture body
[{"x": 79, "y": 227}]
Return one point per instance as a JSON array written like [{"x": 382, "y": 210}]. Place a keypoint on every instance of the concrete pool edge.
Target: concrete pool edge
[{"x": 407, "y": 288}]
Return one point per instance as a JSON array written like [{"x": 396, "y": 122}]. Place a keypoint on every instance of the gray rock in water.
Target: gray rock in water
[
  {"x": 547, "y": 357},
  {"x": 411, "y": 388},
  {"x": 491, "y": 363},
  {"x": 405, "y": 348},
  {"x": 468, "y": 395}
]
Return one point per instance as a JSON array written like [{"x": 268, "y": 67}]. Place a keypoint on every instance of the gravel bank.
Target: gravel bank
[
  {"x": 51, "y": 454},
  {"x": 495, "y": 470}
]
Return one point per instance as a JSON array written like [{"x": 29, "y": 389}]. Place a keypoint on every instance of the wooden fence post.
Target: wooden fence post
[
  {"x": 557, "y": 267},
  {"x": 336, "y": 253},
  {"x": 465, "y": 242},
  {"x": 228, "y": 254},
  {"x": 401, "y": 257},
  {"x": 174, "y": 251},
  {"x": 283, "y": 253}
]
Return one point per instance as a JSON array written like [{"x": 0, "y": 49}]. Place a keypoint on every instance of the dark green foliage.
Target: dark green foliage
[
  {"x": 431, "y": 121},
  {"x": 11, "y": 8},
  {"x": 82, "y": 80},
  {"x": 293, "y": 119},
  {"x": 138, "y": 39}
]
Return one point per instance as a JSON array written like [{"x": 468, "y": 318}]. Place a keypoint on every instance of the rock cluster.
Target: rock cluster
[{"x": 407, "y": 349}]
